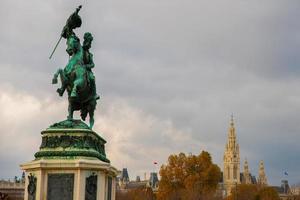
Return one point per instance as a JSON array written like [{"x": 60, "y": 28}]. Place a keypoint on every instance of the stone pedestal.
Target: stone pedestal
[{"x": 70, "y": 165}]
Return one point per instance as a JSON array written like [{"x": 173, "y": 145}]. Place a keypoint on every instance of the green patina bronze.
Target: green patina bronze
[
  {"x": 77, "y": 77},
  {"x": 70, "y": 139},
  {"x": 66, "y": 124},
  {"x": 71, "y": 142}
]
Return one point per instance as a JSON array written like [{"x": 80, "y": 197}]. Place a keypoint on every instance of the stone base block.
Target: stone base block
[{"x": 69, "y": 179}]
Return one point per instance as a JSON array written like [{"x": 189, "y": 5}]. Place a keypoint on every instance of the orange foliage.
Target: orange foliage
[
  {"x": 253, "y": 192},
  {"x": 268, "y": 193},
  {"x": 136, "y": 194},
  {"x": 188, "y": 177},
  {"x": 244, "y": 192}
]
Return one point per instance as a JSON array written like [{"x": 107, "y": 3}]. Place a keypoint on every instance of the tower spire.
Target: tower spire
[
  {"x": 246, "y": 166},
  {"x": 232, "y": 120},
  {"x": 262, "y": 178},
  {"x": 246, "y": 173},
  {"x": 231, "y": 175},
  {"x": 231, "y": 133}
]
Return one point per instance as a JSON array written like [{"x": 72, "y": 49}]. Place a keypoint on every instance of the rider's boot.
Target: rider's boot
[{"x": 74, "y": 92}]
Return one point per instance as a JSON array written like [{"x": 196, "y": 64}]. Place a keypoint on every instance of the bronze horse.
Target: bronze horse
[{"x": 75, "y": 79}]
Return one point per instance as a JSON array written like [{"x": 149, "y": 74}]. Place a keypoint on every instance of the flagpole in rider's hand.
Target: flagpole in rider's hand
[
  {"x": 73, "y": 22},
  {"x": 55, "y": 47}
]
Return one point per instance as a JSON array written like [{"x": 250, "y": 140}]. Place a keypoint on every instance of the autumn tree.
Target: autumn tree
[
  {"x": 268, "y": 193},
  {"x": 142, "y": 193},
  {"x": 253, "y": 192},
  {"x": 192, "y": 177},
  {"x": 244, "y": 192},
  {"x": 294, "y": 197}
]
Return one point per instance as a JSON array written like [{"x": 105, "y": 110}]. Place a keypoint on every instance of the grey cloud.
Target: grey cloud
[{"x": 187, "y": 63}]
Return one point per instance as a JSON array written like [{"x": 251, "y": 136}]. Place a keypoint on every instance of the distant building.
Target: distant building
[
  {"x": 231, "y": 161},
  {"x": 138, "y": 179},
  {"x": 153, "y": 180},
  {"x": 247, "y": 179},
  {"x": 246, "y": 176},
  {"x": 285, "y": 186},
  {"x": 295, "y": 189},
  {"x": 231, "y": 173},
  {"x": 124, "y": 178},
  {"x": 124, "y": 183},
  {"x": 284, "y": 191},
  {"x": 12, "y": 190},
  {"x": 262, "y": 178}
]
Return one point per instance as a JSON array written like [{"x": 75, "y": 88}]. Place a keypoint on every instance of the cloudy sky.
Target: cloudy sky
[{"x": 170, "y": 73}]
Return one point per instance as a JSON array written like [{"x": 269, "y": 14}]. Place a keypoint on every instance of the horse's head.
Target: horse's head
[{"x": 73, "y": 45}]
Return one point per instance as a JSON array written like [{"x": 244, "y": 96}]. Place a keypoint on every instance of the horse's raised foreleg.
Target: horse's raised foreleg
[
  {"x": 64, "y": 81},
  {"x": 62, "y": 89},
  {"x": 54, "y": 79}
]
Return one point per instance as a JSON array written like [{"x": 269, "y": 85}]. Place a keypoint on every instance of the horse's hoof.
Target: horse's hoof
[
  {"x": 54, "y": 81},
  {"x": 60, "y": 91}
]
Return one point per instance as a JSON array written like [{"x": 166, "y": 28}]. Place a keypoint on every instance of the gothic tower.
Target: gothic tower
[
  {"x": 124, "y": 178},
  {"x": 262, "y": 178},
  {"x": 246, "y": 173},
  {"x": 231, "y": 173}
]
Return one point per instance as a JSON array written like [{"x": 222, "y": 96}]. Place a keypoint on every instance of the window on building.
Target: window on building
[
  {"x": 228, "y": 173},
  {"x": 235, "y": 172},
  {"x": 109, "y": 188}
]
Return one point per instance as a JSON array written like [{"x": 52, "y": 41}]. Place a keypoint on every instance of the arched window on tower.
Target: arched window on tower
[
  {"x": 228, "y": 173},
  {"x": 234, "y": 172}
]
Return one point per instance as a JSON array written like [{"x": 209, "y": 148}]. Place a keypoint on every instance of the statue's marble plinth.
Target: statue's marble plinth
[{"x": 70, "y": 165}]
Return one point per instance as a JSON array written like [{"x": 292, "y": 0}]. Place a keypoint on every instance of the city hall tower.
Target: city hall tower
[{"x": 231, "y": 171}]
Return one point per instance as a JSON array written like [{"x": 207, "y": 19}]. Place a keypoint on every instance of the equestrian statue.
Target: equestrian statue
[{"x": 77, "y": 78}]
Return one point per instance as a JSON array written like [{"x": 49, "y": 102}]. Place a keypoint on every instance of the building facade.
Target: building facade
[
  {"x": 231, "y": 161},
  {"x": 247, "y": 179},
  {"x": 125, "y": 184},
  {"x": 231, "y": 173},
  {"x": 262, "y": 178}
]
